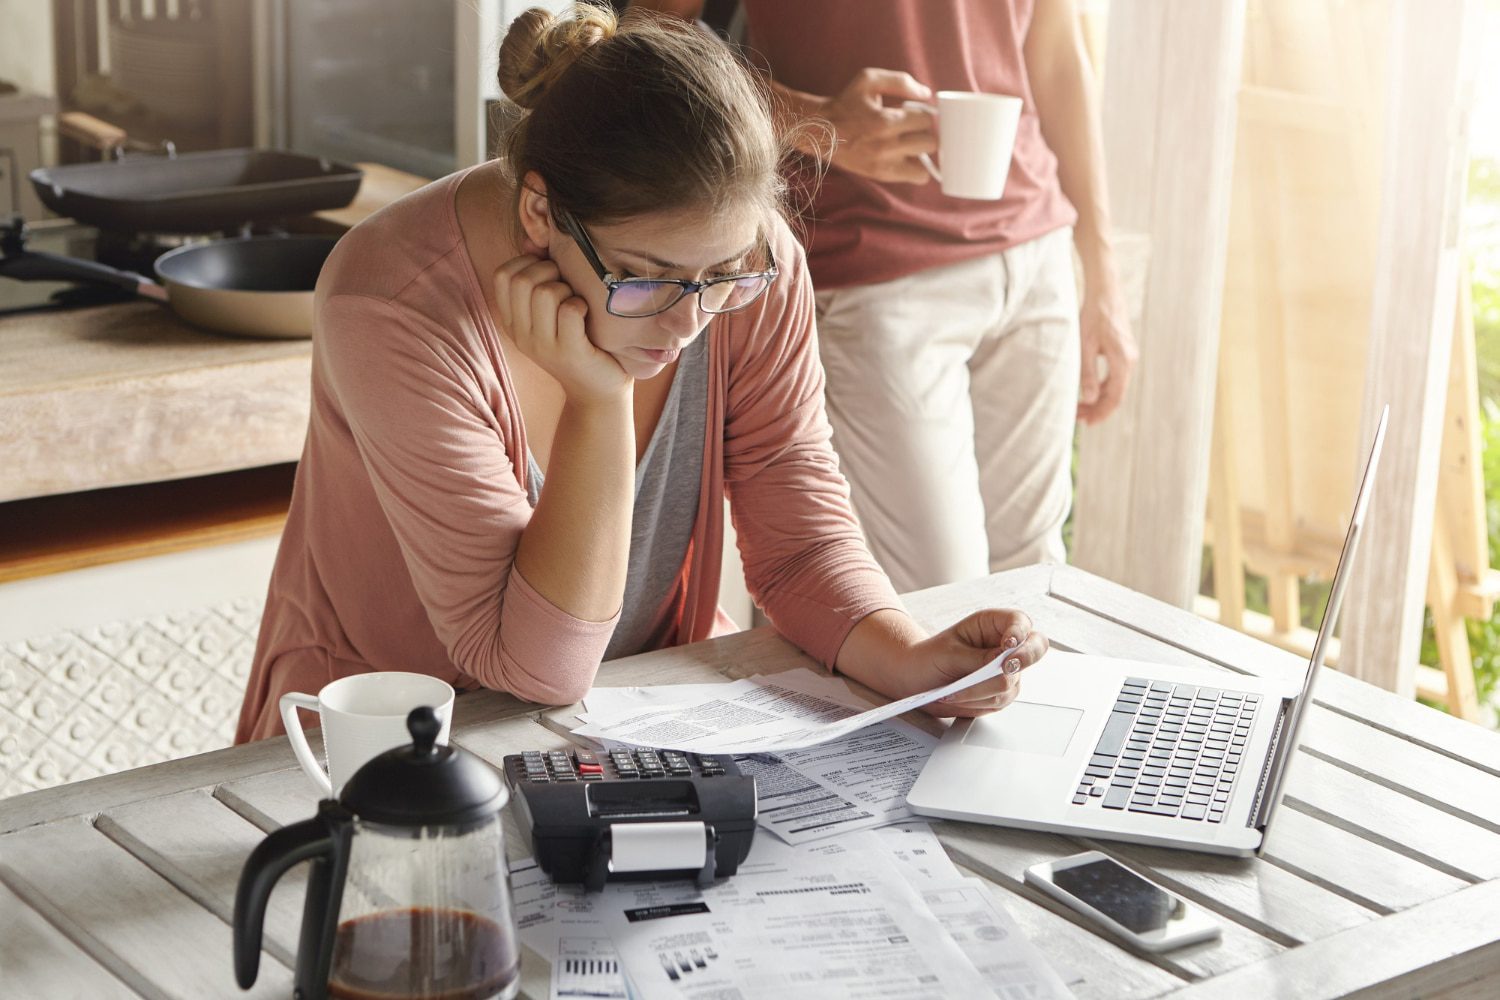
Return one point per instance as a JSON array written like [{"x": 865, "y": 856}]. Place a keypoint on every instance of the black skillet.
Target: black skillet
[{"x": 258, "y": 286}]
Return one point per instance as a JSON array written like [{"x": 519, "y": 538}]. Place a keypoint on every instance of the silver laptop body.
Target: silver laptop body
[{"x": 1124, "y": 750}]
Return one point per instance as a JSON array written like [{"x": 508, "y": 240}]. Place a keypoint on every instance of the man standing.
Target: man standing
[{"x": 957, "y": 351}]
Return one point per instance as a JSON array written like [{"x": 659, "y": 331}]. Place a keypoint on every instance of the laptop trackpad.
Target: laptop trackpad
[{"x": 1026, "y": 727}]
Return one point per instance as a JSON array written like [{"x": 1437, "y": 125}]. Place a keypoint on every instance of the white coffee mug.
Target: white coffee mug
[
  {"x": 976, "y": 133},
  {"x": 363, "y": 716}
]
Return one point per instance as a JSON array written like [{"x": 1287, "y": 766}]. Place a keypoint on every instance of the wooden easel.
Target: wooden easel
[{"x": 1296, "y": 315}]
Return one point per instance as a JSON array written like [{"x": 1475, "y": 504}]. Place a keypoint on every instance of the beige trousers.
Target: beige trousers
[{"x": 953, "y": 393}]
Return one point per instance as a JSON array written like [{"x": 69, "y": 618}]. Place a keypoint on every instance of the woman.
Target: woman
[{"x": 533, "y": 381}]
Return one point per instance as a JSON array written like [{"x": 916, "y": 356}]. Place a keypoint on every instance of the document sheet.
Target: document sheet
[
  {"x": 876, "y": 913},
  {"x": 853, "y": 783},
  {"x": 754, "y": 715},
  {"x": 862, "y": 933}
]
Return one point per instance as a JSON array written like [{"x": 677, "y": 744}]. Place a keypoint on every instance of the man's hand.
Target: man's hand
[
  {"x": 1104, "y": 333},
  {"x": 879, "y": 142}
]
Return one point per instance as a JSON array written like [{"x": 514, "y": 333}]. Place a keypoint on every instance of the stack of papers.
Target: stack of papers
[
  {"x": 850, "y": 783},
  {"x": 851, "y": 897}
]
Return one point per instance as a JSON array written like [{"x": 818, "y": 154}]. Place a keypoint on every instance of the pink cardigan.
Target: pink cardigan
[{"x": 410, "y": 499}]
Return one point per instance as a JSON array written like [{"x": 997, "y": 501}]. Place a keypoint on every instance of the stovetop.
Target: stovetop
[
  {"x": 125, "y": 251},
  {"x": 70, "y": 240}
]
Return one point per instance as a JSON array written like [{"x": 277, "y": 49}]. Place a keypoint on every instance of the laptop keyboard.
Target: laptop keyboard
[{"x": 1169, "y": 750}]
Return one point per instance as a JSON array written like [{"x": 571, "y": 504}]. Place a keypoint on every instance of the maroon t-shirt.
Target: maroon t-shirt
[{"x": 862, "y": 231}]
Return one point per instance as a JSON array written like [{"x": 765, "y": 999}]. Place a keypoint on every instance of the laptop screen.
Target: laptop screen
[{"x": 1292, "y": 723}]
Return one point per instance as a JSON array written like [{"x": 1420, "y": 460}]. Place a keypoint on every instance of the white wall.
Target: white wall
[{"x": 26, "y": 44}]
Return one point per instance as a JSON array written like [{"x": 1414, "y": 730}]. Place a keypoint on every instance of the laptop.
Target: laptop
[{"x": 1185, "y": 757}]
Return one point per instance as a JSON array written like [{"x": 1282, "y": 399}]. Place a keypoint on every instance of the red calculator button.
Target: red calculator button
[{"x": 590, "y": 769}]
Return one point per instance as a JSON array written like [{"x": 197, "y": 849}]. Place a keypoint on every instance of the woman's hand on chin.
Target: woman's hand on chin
[
  {"x": 545, "y": 319},
  {"x": 887, "y": 652}
]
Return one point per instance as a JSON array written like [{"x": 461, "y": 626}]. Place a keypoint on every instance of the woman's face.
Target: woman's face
[{"x": 667, "y": 245}]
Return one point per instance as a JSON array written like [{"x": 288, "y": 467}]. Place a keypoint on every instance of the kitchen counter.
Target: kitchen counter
[
  {"x": 123, "y": 394},
  {"x": 105, "y": 411},
  {"x": 1380, "y": 876}
]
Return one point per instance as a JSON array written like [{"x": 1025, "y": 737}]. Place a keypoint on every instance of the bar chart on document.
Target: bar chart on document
[{"x": 587, "y": 967}]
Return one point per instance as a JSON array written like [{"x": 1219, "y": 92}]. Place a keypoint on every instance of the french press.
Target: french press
[{"x": 407, "y": 895}]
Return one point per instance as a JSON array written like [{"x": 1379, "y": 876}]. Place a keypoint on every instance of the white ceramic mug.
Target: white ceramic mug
[
  {"x": 363, "y": 716},
  {"x": 976, "y": 133}
]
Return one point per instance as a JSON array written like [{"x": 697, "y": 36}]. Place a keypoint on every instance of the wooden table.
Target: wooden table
[{"x": 1381, "y": 876}]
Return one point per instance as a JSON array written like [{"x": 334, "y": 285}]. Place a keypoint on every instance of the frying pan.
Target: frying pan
[
  {"x": 258, "y": 286},
  {"x": 203, "y": 192}
]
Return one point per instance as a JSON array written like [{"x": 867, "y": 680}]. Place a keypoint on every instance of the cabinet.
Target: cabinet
[
  {"x": 20, "y": 150},
  {"x": 409, "y": 85}
]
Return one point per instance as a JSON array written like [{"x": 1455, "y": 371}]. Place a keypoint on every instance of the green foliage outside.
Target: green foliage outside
[
  {"x": 1482, "y": 221},
  {"x": 1484, "y": 637},
  {"x": 1482, "y": 241}
]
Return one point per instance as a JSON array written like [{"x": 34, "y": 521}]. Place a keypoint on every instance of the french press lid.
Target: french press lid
[{"x": 424, "y": 783}]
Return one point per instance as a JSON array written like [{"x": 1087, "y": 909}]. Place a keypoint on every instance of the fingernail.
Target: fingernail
[
  {"x": 1011, "y": 642},
  {"x": 1012, "y": 666}
]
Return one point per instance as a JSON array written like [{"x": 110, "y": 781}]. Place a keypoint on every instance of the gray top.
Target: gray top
[{"x": 667, "y": 481}]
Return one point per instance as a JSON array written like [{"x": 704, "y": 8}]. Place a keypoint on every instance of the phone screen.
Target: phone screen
[{"x": 1121, "y": 895}]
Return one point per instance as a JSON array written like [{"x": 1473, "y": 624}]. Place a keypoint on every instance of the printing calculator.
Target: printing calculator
[{"x": 633, "y": 813}]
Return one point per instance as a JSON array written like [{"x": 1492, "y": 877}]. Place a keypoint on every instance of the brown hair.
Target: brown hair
[{"x": 635, "y": 115}]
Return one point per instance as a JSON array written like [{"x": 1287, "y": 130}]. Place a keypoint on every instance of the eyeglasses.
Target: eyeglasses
[{"x": 634, "y": 298}]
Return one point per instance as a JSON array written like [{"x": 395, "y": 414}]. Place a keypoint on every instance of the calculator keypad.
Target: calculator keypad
[{"x": 563, "y": 766}]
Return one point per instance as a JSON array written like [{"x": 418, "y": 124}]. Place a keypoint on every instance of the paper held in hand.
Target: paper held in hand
[{"x": 757, "y": 716}]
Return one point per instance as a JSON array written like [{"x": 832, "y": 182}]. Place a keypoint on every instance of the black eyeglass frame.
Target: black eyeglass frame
[{"x": 574, "y": 229}]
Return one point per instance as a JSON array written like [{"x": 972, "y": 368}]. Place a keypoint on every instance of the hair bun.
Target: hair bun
[{"x": 540, "y": 47}]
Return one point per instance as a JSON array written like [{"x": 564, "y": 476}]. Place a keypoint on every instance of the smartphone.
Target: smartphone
[{"x": 1123, "y": 902}]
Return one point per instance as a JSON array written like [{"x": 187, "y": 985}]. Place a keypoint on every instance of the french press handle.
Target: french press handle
[{"x": 324, "y": 840}]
